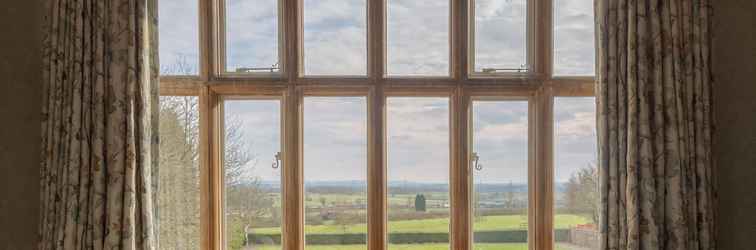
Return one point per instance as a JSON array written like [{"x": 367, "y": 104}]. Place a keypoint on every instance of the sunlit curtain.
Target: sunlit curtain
[
  {"x": 655, "y": 124},
  {"x": 99, "y": 144}
]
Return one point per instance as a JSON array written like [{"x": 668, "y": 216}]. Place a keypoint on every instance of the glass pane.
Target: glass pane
[
  {"x": 179, "y": 37},
  {"x": 252, "y": 36},
  {"x": 418, "y": 172},
  {"x": 417, "y": 37},
  {"x": 335, "y": 172},
  {"x": 500, "y": 175},
  {"x": 501, "y": 36},
  {"x": 251, "y": 146},
  {"x": 576, "y": 178},
  {"x": 574, "y": 52},
  {"x": 335, "y": 37},
  {"x": 178, "y": 193}
]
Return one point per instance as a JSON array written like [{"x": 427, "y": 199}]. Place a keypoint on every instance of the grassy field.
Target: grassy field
[
  {"x": 500, "y": 246},
  {"x": 487, "y": 223}
]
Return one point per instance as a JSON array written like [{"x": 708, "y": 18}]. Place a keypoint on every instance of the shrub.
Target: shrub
[{"x": 507, "y": 236}]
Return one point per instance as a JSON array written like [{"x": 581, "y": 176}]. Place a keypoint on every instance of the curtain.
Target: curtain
[
  {"x": 99, "y": 120},
  {"x": 655, "y": 124}
]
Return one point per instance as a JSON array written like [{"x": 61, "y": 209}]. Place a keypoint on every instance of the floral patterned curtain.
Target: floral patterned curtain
[
  {"x": 655, "y": 124},
  {"x": 99, "y": 139}
]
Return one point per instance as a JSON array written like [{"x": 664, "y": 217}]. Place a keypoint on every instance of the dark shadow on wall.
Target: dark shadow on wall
[
  {"x": 734, "y": 63},
  {"x": 20, "y": 100}
]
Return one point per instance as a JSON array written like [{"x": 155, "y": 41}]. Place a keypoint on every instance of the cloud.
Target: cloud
[
  {"x": 575, "y": 135},
  {"x": 418, "y": 139},
  {"x": 417, "y": 43},
  {"x": 261, "y": 128},
  {"x": 179, "y": 34},
  {"x": 500, "y": 139},
  {"x": 500, "y": 34},
  {"x": 335, "y": 138},
  {"x": 335, "y": 37},
  {"x": 582, "y": 124},
  {"x": 417, "y": 37},
  {"x": 574, "y": 51},
  {"x": 251, "y": 33}
]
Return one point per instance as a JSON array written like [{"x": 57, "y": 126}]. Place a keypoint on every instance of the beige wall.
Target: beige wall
[
  {"x": 734, "y": 60},
  {"x": 20, "y": 89}
]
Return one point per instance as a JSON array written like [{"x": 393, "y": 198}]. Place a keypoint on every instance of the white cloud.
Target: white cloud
[
  {"x": 575, "y": 135},
  {"x": 335, "y": 138},
  {"x": 574, "y": 51},
  {"x": 252, "y": 33},
  {"x": 418, "y": 35},
  {"x": 335, "y": 37},
  {"x": 179, "y": 34},
  {"x": 418, "y": 139},
  {"x": 583, "y": 124},
  {"x": 500, "y": 34}
]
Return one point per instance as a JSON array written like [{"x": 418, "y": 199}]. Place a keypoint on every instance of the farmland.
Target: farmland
[
  {"x": 487, "y": 223},
  {"x": 418, "y": 219}
]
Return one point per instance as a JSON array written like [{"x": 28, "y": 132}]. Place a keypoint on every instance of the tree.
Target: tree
[
  {"x": 477, "y": 213},
  {"x": 177, "y": 197},
  {"x": 178, "y": 174},
  {"x": 323, "y": 201},
  {"x": 581, "y": 195},
  {"x": 509, "y": 196},
  {"x": 420, "y": 203}
]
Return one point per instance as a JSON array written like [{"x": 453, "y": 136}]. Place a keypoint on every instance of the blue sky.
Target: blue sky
[{"x": 417, "y": 44}]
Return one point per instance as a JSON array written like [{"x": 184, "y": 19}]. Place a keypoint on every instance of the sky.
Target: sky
[
  {"x": 417, "y": 36},
  {"x": 417, "y": 44}
]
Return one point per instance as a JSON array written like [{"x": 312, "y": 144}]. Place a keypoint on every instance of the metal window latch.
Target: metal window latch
[
  {"x": 277, "y": 161},
  {"x": 476, "y": 161}
]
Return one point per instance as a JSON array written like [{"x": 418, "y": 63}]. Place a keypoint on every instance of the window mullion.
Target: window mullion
[
  {"x": 205, "y": 21},
  {"x": 377, "y": 169},
  {"x": 376, "y": 39},
  {"x": 540, "y": 35},
  {"x": 291, "y": 37},
  {"x": 460, "y": 183},
  {"x": 460, "y": 39},
  {"x": 210, "y": 156},
  {"x": 293, "y": 186},
  {"x": 542, "y": 158}
]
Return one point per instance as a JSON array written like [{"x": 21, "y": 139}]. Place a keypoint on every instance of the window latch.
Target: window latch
[
  {"x": 277, "y": 161},
  {"x": 476, "y": 161}
]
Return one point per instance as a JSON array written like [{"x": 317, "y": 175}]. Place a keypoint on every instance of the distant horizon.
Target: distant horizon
[{"x": 345, "y": 182}]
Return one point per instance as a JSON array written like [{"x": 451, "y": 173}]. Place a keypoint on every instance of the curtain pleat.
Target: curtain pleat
[
  {"x": 654, "y": 123},
  {"x": 99, "y": 110}
]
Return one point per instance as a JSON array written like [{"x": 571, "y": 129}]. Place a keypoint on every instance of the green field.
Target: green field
[
  {"x": 500, "y": 246},
  {"x": 486, "y": 223}
]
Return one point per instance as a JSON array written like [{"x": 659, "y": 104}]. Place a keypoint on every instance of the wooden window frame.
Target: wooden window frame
[{"x": 213, "y": 84}]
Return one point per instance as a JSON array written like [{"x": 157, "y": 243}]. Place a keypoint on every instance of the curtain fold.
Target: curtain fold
[
  {"x": 655, "y": 124},
  {"x": 99, "y": 125}
]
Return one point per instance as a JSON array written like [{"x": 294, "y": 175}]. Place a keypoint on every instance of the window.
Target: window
[
  {"x": 500, "y": 175},
  {"x": 355, "y": 124},
  {"x": 335, "y": 37},
  {"x": 179, "y": 42},
  {"x": 574, "y": 47},
  {"x": 576, "y": 197},
  {"x": 335, "y": 172},
  {"x": 252, "y": 32},
  {"x": 418, "y": 172},
  {"x": 178, "y": 193},
  {"x": 252, "y": 172},
  {"x": 417, "y": 37},
  {"x": 500, "y": 35}
]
